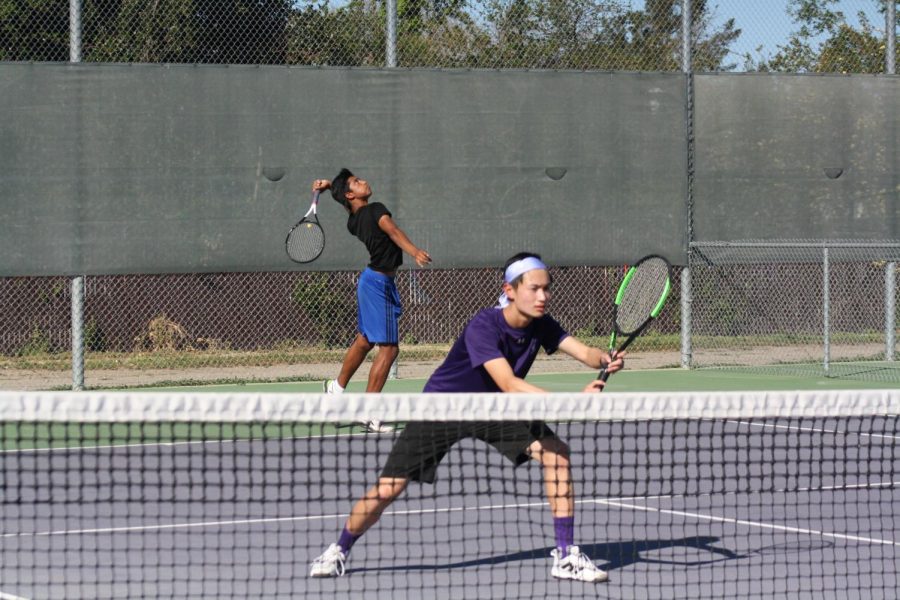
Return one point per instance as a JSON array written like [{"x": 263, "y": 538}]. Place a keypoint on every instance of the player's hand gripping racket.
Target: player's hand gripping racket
[
  {"x": 641, "y": 297},
  {"x": 306, "y": 240}
]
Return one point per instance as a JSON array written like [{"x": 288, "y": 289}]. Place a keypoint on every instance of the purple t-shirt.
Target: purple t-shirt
[{"x": 486, "y": 337}]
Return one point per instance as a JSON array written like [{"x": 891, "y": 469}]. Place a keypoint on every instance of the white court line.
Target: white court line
[
  {"x": 703, "y": 517},
  {"x": 618, "y": 502},
  {"x": 5, "y": 596},
  {"x": 814, "y": 430}
]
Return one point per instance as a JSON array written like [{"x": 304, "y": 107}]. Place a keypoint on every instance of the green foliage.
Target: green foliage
[
  {"x": 183, "y": 31},
  {"x": 584, "y": 34},
  {"x": 325, "y": 306},
  {"x": 38, "y": 343},
  {"x": 162, "y": 334},
  {"x": 553, "y": 34},
  {"x": 843, "y": 50},
  {"x": 32, "y": 30},
  {"x": 94, "y": 338}
]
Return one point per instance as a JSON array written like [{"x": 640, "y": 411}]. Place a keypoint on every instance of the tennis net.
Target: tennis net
[{"x": 677, "y": 495}]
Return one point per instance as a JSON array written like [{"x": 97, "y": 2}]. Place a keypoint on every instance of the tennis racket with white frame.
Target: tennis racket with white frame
[{"x": 306, "y": 240}]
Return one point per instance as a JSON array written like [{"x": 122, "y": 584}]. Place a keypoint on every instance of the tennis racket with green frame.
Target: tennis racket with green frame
[{"x": 641, "y": 297}]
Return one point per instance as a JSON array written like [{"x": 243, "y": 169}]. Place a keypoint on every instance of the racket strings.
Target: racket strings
[
  {"x": 306, "y": 242},
  {"x": 640, "y": 297}
]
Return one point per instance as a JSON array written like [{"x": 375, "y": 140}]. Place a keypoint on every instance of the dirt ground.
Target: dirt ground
[{"x": 19, "y": 379}]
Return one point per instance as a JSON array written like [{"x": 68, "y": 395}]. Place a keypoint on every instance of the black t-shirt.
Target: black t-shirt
[{"x": 384, "y": 254}]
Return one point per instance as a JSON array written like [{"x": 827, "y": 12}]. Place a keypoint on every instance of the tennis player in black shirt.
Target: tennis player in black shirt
[{"x": 377, "y": 298}]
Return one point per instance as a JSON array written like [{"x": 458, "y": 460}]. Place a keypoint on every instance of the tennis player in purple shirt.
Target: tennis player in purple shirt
[{"x": 493, "y": 354}]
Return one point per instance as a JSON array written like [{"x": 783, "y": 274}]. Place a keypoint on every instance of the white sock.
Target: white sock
[{"x": 334, "y": 387}]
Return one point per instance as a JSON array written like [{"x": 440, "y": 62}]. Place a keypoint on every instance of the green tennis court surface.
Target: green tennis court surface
[{"x": 845, "y": 376}]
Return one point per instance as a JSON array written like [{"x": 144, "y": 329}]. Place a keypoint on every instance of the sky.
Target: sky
[{"x": 766, "y": 22}]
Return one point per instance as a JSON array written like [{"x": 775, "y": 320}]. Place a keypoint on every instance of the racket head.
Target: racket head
[
  {"x": 306, "y": 240},
  {"x": 642, "y": 294}
]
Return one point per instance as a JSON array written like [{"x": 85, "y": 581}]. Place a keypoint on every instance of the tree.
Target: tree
[
  {"x": 185, "y": 31},
  {"x": 37, "y": 31},
  {"x": 352, "y": 35},
  {"x": 826, "y": 43},
  {"x": 584, "y": 34}
]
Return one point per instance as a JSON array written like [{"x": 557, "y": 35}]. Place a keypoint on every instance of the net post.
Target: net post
[
  {"x": 890, "y": 309},
  {"x": 686, "y": 301},
  {"x": 78, "y": 333},
  {"x": 826, "y": 307}
]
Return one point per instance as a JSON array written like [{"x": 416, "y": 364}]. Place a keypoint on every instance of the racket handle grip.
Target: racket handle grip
[{"x": 604, "y": 374}]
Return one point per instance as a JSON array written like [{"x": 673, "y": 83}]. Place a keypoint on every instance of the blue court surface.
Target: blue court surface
[{"x": 775, "y": 508}]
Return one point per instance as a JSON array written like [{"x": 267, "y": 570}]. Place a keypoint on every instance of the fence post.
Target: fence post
[
  {"x": 390, "y": 63},
  {"x": 890, "y": 278},
  {"x": 890, "y": 309},
  {"x": 391, "y": 41},
  {"x": 75, "y": 31},
  {"x": 686, "y": 295},
  {"x": 78, "y": 333},
  {"x": 826, "y": 307},
  {"x": 77, "y": 282},
  {"x": 890, "y": 21},
  {"x": 686, "y": 300}
]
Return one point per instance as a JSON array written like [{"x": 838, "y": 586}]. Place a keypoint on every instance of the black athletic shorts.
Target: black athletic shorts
[{"x": 422, "y": 445}]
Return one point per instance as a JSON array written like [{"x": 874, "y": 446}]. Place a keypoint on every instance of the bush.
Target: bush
[
  {"x": 38, "y": 343},
  {"x": 162, "y": 334},
  {"x": 326, "y": 307}
]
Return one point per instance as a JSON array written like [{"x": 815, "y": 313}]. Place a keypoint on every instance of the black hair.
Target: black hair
[
  {"x": 340, "y": 187},
  {"x": 516, "y": 258}
]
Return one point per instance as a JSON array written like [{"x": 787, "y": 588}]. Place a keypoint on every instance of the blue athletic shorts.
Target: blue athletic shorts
[{"x": 378, "y": 307}]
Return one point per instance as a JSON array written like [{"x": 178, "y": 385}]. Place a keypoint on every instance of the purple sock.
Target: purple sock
[
  {"x": 565, "y": 532},
  {"x": 347, "y": 540}
]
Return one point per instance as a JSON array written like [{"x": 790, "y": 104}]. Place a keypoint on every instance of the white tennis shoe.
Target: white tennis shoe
[
  {"x": 576, "y": 565},
  {"x": 329, "y": 564},
  {"x": 376, "y": 426},
  {"x": 372, "y": 426}
]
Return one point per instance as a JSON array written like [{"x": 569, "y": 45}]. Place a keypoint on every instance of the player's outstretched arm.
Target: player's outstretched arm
[
  {"x": 592, "y": 357},
  {"x": 386, "y": 223},
  {"x": 506, "y": 380}
]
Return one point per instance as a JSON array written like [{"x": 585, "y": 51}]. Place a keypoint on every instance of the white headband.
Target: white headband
[{"x": 516, "y": 270}]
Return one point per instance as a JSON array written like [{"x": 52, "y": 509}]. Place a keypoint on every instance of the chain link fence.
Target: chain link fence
[
  {"x": 827, "y": 36},
  {"x": 148, "y": 330},
  {"x": 757, "y": 306},
  {"x": 796, "y": 307}
]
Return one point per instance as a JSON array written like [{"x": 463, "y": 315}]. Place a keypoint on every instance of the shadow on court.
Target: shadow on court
[{"x": 608, "y": 556}]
